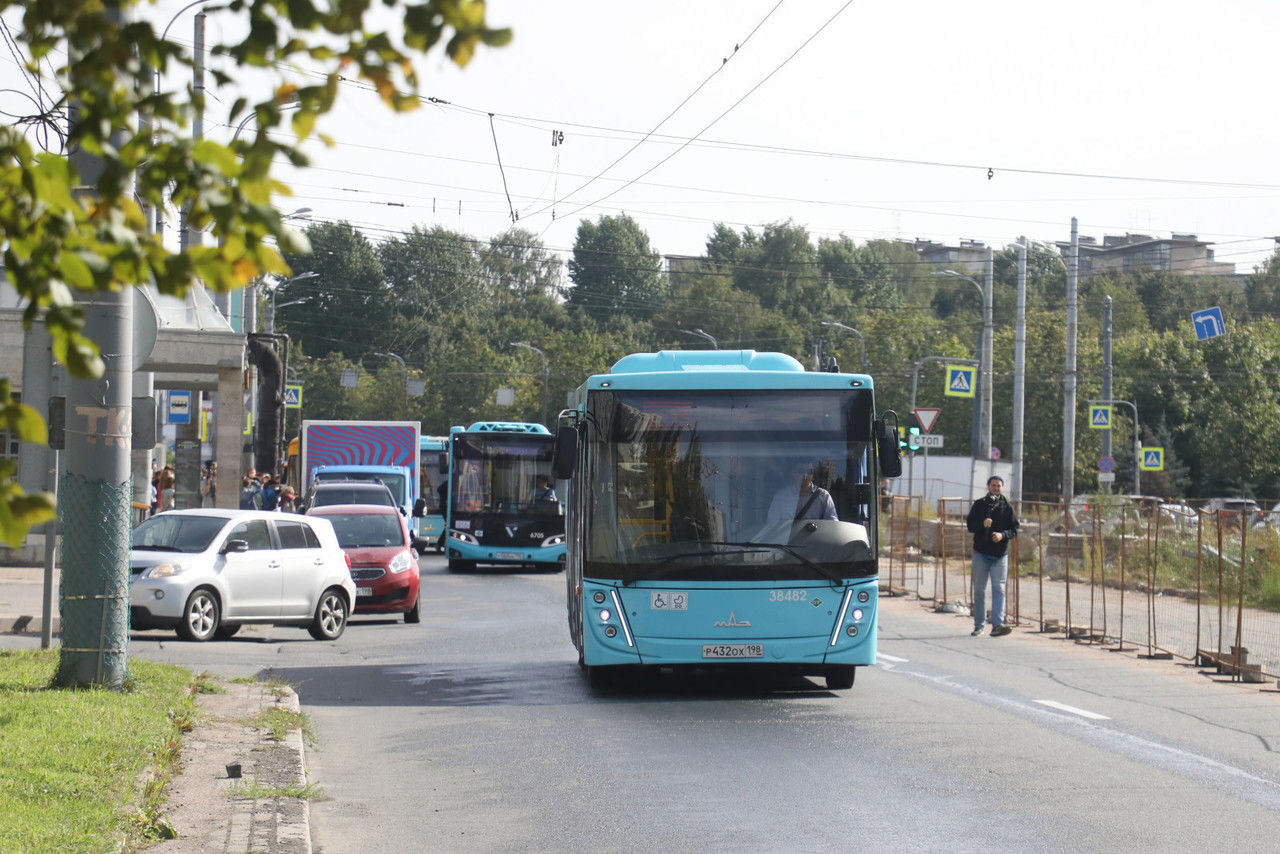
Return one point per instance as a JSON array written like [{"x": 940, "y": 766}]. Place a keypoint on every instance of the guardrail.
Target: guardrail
[{"x": 1165, "y": 582}]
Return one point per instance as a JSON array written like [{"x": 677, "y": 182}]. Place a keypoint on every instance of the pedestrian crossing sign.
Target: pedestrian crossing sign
[
  {"x": 960, "y": 381},
  {"x": 292, "y": 396},
  {"x": 1152, "y": 459},
  {"x": 1100, "y": 417}
]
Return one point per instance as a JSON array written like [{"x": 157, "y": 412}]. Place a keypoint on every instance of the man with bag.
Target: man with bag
[{"x": 993, "y": 524}]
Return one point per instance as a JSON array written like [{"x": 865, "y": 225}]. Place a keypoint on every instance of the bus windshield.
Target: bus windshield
[
  {"x": 729, "y": 484},
  {"x": 500, "y": 474}
]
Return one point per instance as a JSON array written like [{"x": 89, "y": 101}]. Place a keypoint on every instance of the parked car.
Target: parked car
[
  {"x": 324, "y": 493},
  {"x": 380, "y": 547},
  {"x": 1237, "y": 506},
  {"x": 207, "y": 572}
]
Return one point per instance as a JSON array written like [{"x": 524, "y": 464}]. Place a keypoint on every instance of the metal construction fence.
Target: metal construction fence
[{"x": 1163, "y": 580}]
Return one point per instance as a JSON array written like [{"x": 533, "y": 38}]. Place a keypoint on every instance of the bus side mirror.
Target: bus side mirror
[
  {"x": 566, "y": 456},
  {"x": 887, "y": 450},
  {"x": 442, "y": 463}
]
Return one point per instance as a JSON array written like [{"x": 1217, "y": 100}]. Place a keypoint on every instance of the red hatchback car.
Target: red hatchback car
[{"x": 383, "y": 564}]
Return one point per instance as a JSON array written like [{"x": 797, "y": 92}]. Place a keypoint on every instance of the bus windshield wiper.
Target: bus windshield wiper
[{"x": 664, "y": 566}]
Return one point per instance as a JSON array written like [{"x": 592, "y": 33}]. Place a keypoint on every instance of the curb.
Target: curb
[{"x": 206, "y": 808}]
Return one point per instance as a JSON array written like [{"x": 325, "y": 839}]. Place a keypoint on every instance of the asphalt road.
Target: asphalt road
[{"x": 474, "y": 731}]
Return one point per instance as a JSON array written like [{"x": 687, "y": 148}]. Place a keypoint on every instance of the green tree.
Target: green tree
[
  {"x": 347, "y": 306},
  {"x": 59, "y": 239},
  {"x": 614, "y": 270},
  {"x": 864, "y": 273},
  {"x": 433, "y": 272},
  {"x": 521, "y": 266},
  {"x": 1262, "y": 288}
]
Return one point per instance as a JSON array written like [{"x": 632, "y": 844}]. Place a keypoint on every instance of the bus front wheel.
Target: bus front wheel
[{"x": 840, "y": 676}]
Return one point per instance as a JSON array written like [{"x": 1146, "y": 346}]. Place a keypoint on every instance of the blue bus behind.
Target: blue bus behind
[
  {"x": 502, "y": 505},
  {"x": 722, "y": 511},
  {"x": 433, "y": 493}
]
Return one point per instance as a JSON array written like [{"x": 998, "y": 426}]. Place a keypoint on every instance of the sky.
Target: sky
[{"x": 943, "y": 121}]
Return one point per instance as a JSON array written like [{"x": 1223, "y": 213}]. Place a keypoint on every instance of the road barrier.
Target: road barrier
[{"x": 1163, "y": 581}]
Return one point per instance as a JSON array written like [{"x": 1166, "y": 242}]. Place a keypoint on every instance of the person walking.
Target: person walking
[{"x": 993, "y": 524}]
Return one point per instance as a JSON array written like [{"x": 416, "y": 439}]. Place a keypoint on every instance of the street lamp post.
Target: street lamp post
[
  {"x": 404, "y": 411},
  {"x": 271, "y": 306},
  {"x": 705, "y": 336},
  {"x": 984, "y": 438},
  {"x": 545, "y": 375},
  {"x": 861, "y": 343}
]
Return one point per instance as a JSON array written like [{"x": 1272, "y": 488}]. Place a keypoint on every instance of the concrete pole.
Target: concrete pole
[
  {"x": 94, "y": 496},
  {"x": 1019, "y": 372},
  {"x": 1106, "y": 368},
  {"x": 1069, "y": 377},
  {"x": 988, "y": 351}
]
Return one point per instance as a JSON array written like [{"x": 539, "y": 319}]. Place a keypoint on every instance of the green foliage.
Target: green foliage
[
  {"x": 75, "y": 223},
  {"x": 614, "y": 270}
]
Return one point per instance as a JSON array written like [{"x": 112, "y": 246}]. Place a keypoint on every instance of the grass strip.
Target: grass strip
[{"x": 86, "y": 769}]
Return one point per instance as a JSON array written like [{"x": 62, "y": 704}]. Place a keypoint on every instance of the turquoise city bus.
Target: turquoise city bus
[
  {"x": 431, "y": 522},
  {"x": 503, "y": 507},
  {"x": 695, "y": 535}
]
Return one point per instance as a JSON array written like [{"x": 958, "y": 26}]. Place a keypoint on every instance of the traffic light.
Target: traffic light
[{"x": 907, "y": 435}]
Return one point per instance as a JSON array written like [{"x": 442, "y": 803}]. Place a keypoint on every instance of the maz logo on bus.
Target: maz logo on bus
[{"x": 734, "y": 623}]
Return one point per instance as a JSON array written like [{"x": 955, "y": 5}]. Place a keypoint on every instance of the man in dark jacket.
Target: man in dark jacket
[{"x": 993, "y": 525}]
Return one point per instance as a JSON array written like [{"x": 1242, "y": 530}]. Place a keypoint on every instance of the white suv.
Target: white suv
[{"x": 207, "y": 572}]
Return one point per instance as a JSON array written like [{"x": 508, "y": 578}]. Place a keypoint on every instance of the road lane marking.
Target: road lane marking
[
  {"x": 1063, "y": 707},
  {"x": 893, "y": 659}
]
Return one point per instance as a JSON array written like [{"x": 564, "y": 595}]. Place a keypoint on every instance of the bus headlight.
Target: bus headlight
[
  {"x": 557, "y": 540},
  {"x": 463, "y": 538},
  {"x": 863, "y": 596},
  {"x": 851, "y": 631},
  {"x": 857, "y": 614},
  {"x": 598, "y": 597},
  {"x": 605, "y": 615}
]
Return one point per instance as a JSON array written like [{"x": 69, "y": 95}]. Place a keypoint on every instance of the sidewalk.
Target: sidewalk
[
  {"x": 202, "y": 805},
  {"x": 22, "y": 598}
]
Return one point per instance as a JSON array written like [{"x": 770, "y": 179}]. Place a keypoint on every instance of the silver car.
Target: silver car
[{"x": 205, "y": 573}]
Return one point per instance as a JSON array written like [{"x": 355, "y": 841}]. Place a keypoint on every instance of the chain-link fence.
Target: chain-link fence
[{"x": 1161, "y": 579}]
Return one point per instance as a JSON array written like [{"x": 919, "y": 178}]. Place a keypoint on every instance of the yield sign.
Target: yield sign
[{"x": 926, "y": 417}]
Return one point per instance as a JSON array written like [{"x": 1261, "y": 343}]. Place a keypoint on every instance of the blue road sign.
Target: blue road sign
[
  {"x": 293, "y": 397},
  {"x": 1100, "y": 417},
  {"x": 1152, "y": 459},
  {"x": 960, "y": 381},
  {"x": 1107, "y": 464},
  {"x": 1208, "y": 323},
  {"x": 179, "y": 407}
]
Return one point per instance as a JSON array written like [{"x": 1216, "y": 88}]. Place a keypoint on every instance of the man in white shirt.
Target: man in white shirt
[{"x": 805, "y": 500}]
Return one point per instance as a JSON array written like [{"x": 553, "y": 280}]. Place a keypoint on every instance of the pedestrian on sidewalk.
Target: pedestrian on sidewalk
[{"x": 993, "y": 524}]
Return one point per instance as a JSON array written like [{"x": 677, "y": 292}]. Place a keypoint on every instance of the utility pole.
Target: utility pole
[
  {"x": 1020, "y": 372},
  {"x": 1106, "y": 371},
  {"x": 95, "y": 496},
  {"x": 187, "y": 441},
  {"x": 1069, "y": 378},
  {"x": 988, "y": 354}
]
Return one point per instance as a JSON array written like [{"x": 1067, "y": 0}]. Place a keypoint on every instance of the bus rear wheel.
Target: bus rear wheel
[{"x": 840, "y": 677}]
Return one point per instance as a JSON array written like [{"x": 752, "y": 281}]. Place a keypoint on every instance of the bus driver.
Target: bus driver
[{"x": 805, "y": 500}]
